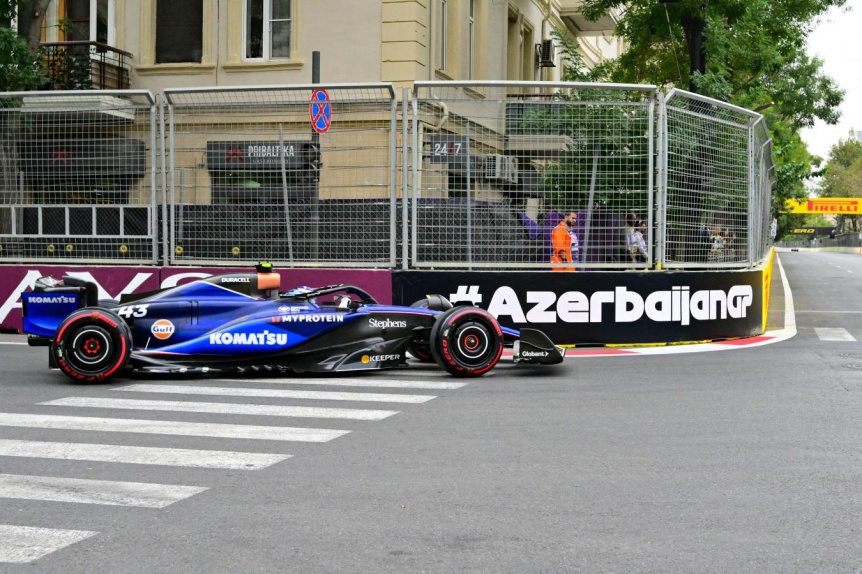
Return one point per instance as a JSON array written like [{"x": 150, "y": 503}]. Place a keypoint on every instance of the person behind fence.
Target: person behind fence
[
  {"x": 576, "y": 245},
  {"x": 716, "y": 241},
  {"x": 640, "y": 238},
  {"x": 561, "y": 243},
  {"x": 728, "y": 251},
  {"x": 635, "y": 240}
]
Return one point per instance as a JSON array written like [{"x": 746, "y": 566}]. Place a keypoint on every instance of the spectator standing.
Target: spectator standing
[
  {"x": 633, "y": 242},
  {"x": 640, "y": 238},
  {"x": 561, "y": 243},
  {"x": 716, "y": 244},
  {"x": 576, "y": 245}
]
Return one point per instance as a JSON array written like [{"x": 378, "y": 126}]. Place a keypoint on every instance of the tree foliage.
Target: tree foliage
[
  {"x": 844, "y": 176},
  {"x": 754, "y": 57},
  {"x": 20, "y": 65}
]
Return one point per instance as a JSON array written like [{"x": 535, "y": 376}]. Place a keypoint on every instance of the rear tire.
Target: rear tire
[
  {"x": 92, "y": 345},
  {"x": 466, "y": 341}
]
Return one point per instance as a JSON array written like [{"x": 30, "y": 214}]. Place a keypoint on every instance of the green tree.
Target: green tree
[
  {"x": 844, "y": 176},
  {"x": 20, "y": 69},
  {"x": 752, "y": 55}
]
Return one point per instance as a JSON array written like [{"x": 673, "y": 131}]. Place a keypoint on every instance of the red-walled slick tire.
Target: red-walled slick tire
[
  {"x": 466, "y": 341},
  {"x": 92, "y": 345}
]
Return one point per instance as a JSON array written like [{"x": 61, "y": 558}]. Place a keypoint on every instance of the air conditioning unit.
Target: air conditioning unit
[
  {"x": 496, "y": 166},
  {"x": 545, "y": 54},
  {"x": 512, "y": 169}
]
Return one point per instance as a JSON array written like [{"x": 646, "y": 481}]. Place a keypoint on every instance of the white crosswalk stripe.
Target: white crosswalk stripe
[
  {"x": 381, "y": 382},
  {"x": 275, "y": 393},
  {"x": 223, "y": 408},
  {"x": 140, "y": 455},
  {"x": 85, "y": 491},
  {"x": 169, "y": 427},
  {"x": 833, "y": 334},
  {"x": 23, "y": 544}
]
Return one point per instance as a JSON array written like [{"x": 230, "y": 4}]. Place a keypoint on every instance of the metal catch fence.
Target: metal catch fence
[
  {"x": 77, "y": 177},
  {"x": 262, "y": 173},
  {"x": 500, "y": 164},
  {"x": 314, "y": 176},
  {"x": 715, "y": 183}
]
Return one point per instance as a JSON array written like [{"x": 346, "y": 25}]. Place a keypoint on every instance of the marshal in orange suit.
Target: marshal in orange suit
[{"x": 561, "y": 241}]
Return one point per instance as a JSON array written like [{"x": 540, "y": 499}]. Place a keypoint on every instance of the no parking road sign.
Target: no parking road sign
[{"x": 320, "y": 111}]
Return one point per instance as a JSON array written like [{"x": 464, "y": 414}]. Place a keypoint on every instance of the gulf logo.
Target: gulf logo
[{"x": 162, "y": 329}]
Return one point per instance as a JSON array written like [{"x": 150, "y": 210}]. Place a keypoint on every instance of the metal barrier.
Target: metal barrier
[
  {"x": 488, "y": 170},
  {"x": 77, "y": 177},
  {"x": 251, "y": 179},
  {"x": 715, "y": 184},
  {"x": 499, "y": 164}
]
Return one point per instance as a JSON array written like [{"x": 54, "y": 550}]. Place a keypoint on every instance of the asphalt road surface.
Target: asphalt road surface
[{"x": 742, "y": 460}]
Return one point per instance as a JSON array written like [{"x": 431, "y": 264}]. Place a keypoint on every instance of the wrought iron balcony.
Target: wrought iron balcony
[{"x": 85, "y": 66}]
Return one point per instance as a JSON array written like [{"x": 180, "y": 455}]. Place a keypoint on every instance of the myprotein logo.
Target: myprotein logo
[
  {"x": 51, "y": 299},
  {"x": 386, "y": 324},
  {"x": 265, "y": 338},
  {"x": 162, "y": 329},
  {"x": 679, "y": 304},
  {"x": 316, "y": 318}
]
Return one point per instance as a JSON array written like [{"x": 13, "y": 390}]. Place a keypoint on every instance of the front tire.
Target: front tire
[
  {"x": 92, "y": 345},
  {"x": 466, "y": 341}
]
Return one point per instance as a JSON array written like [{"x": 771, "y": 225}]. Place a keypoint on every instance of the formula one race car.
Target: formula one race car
[{"x": 241, "y": 323}]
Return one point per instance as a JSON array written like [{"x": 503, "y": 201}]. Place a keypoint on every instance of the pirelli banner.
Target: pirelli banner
[
  {"x": 825, "y": 205},
  {"x": 605, "y": 308}
]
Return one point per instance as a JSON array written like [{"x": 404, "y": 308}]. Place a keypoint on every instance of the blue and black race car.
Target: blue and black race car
[{"x": 242, "y": 323}]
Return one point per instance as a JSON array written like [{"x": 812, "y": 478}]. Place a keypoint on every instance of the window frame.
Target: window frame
[
  {"x": 443, "y": 36},
  {"x": 471, "y": 39},
  {"x": 92, "y": 23},
  {"x": 266, "y": 40}
]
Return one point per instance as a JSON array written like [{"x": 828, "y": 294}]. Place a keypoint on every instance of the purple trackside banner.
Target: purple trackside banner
[{"x": 115, "y": 281}]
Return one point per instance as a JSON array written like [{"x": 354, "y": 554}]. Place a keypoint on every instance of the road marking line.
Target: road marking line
[
  {"x": 84, "y": 491},
  {"x": 23, "y": 544},
  {"x": 833, "y": 334},
  {"x": 275, "y": 393},
  {"x": 369, "y": 382},
  {"x": 223, "y": 408},
  {"x": 140, "y": 455},
  {"x": 169, "y": 427}
]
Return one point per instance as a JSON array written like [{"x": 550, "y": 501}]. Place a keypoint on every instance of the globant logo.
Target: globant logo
[
  {"x": 679, "y": 304},
  {"x": 534, "y": 353},
  {"x": 265, "y": 338}
]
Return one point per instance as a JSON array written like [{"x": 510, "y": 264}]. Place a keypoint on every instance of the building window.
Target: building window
[
  {"x": 471, "y": 38},
  {"x": 528, "y": 54},
  {"x": 179, "y": 31},
  {"x": 83, "y": 26},
  {"x": 443, "y": 32},
  {"x": 267, "y": 29}
]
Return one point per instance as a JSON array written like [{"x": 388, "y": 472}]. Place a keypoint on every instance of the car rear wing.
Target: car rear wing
[{"x": 51, "y": 301}]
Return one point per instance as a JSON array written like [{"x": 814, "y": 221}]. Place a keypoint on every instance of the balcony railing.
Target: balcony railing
[{"x": 85, "y": 66}]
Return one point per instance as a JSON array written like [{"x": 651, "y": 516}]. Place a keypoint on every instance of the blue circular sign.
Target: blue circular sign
[{"x": 320, "y": 111}]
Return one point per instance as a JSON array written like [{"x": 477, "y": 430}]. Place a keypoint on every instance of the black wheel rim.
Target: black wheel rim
[
  {"x": 91, "y": 349},
  {"x": 472, "y": 343}
]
